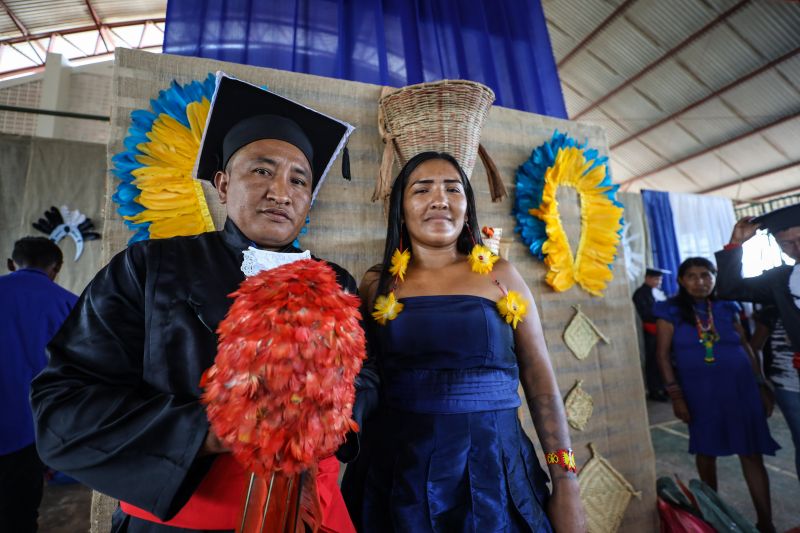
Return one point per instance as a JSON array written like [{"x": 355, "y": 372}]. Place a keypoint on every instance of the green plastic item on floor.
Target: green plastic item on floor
[
  {"x": 669, "y": 491},
  {"x": 716, "y": 512}
]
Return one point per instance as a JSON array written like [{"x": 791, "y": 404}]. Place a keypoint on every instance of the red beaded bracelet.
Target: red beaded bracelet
[{"x": 565, "y": 458}]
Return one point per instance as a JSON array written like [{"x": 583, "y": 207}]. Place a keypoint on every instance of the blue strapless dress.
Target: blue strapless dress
[{"x": 448, "y": 451}]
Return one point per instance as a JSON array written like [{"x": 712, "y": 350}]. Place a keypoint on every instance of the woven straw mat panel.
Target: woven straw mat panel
[{"x": 348, "y": 229}]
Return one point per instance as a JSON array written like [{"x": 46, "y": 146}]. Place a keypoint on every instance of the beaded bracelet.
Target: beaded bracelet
[{"x": 562, "y": 457}]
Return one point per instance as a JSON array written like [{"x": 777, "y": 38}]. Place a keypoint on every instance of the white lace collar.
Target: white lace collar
[{"x": 256, "y": 260}]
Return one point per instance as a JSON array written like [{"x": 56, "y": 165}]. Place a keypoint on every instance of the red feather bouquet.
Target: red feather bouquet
[{"x": 280, "y": 393}]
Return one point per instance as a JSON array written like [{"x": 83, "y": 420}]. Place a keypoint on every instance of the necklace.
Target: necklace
[{"x": 707, "y": 333}]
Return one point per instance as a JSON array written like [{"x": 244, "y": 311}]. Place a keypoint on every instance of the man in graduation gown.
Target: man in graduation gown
[
  {"x": 779, "y": 286},
  {"x": 644, "y": 298},
  {"x": 118, "y": 405}
]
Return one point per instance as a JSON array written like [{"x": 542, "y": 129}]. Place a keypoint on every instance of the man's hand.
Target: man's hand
[
  {"x": 743, "y": 231},
  {"x": 212, "y": 445}
]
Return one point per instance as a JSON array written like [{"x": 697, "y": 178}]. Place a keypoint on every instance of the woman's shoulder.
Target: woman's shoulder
[
  {"x": 369, "y": 282},
  {"x": 504, "y": 270},
  {"x": 728, "y": 306},
  {"x": 668, "y": 310}
]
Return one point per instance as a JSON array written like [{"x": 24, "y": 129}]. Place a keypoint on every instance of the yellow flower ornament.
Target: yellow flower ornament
[
  {"x": 400, "y": 263},
  {"x": 386, "y": 308},
  {"x": 513, "y": 307},
  {"x": 481, "y": 259}
]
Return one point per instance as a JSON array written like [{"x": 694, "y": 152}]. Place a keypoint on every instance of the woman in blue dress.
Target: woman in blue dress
[
  {"x": 446, "y": 451},
  {"x": 714, "y": 383}
]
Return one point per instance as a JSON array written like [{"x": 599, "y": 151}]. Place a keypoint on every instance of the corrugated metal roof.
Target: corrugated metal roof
[
  {"x": 638, "y": 70},
  {"x": 647, "y": 42},
  {"x": 78, "y": 29}
]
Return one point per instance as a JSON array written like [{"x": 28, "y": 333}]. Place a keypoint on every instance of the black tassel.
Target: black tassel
[{"x": 346, "y": 164}]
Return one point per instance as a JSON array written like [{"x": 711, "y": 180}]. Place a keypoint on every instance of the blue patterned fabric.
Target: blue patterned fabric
[
  {"x": 503, "y": 44},
  {"x": 726, "y": 415},
  {"x": 450, "y": 453}
]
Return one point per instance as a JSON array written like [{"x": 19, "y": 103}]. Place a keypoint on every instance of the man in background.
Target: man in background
[
  {"x": 32, "y": 309},
  {"x": 644, "y": 298},
  {"x": 779, "y": 286}
]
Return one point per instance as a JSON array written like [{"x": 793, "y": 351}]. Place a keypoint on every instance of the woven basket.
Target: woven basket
[
  {"x": 581, "y": 334},
  {"x": 579, "y": 406},
  {"x": 605, "y": 494},
  {"x": 443, "y": 116}
]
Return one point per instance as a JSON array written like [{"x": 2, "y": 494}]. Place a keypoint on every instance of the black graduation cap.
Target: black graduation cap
[
  {"x": 780, "y": 219},
  {"x": 656, "y": 272},
  {"x": 242, "y": 113}
]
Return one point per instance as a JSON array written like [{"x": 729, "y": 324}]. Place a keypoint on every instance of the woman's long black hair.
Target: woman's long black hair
[
  {"x": 683, "y": 299},
  {"x": 395, "y": 224}
]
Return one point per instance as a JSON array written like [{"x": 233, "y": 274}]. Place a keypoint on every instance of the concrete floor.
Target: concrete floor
[
  {"x": 671, "y": 442},
  {"x": 65, "y": 508}
]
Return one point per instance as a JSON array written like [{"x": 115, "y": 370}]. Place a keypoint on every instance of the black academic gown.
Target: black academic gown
[
  {"x": 770, "y": 287},
  {"x": 117, "y": 406},
  {"x": 644, "y": 301}
]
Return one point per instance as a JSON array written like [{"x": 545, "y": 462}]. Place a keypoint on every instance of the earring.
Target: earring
[
  {"x": 481, "y": 259},
  {"x": 387, "y": 307},
  {"x": 303, "y": 231},
  {"x": 400, "y": 259}
]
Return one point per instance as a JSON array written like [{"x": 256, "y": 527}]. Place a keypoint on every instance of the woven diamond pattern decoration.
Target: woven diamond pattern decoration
[
  {"x": 579, "y": 406},
  {"x": 581, "y": 334},
  {"x": 605, "y": 494}
]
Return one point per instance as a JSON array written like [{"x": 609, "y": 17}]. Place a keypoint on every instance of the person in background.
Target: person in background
[
  {"x": 32, "y": 309},
  {"x": 644, "y": 298},
  {"x": 778, "y": 286},
  {"x": 714, "y": 384},
  {"x": 771, "y": 335}
]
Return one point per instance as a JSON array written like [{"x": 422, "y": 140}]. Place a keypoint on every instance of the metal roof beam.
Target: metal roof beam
[
  {"x": 770, "y": 195},
  {"x": 15, "y": 40},
  {"x": 608, "y": 20},
  {"x": 97, "y": 22},
  {"x": 670, "y": 53},
  {"x": 717, "y": 146},
  {"x": 18, "y": 23},
  {"x": 750, "y": 177},
  {"x": 725, "y": 88}
]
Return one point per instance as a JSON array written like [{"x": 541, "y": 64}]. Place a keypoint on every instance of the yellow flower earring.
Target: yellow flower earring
[
  {"x": 481, "y": 259},
  {"x": 400, "y": 264},
  {"x": 388, "y": 307}
]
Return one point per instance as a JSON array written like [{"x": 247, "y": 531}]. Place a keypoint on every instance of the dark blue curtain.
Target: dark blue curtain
[
  {"x": 501, "y": 43},
  {"x": 662, "y": 237}
]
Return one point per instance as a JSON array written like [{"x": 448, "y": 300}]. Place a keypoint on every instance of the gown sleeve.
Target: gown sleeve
[
  {"x": 97, "y": 419},
  {"x": 732, "y": 286},
  {"x": 644, "y": 304},
  {"x": 366, "y": 384}
]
